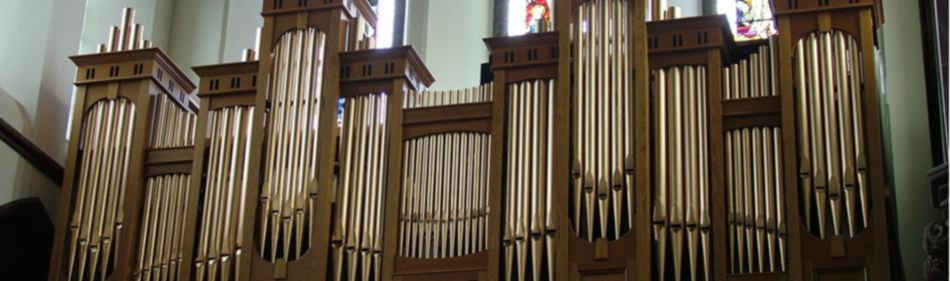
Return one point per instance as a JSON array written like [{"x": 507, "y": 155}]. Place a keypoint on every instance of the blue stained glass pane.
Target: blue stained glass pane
[{"x": 339, "y": 112}]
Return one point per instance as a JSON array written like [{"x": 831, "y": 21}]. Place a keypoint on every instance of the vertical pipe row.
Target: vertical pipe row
[
  {"x": 754, "y": 186},
  {"x": 445, "y": 202},
  {"x": 220, "y": 239},
  {"x": 172, "y": 126},
  {"x": 681, "y": 209},
  {"x": 602, "y": 168},
  {"x": 528, "y": 239},
  {"x": 162, "y": 232},
  {"x": 832, "y": 160},
  {"x": 290, "y": 183},
  {"x": 95, "y": 225},
  {"x": 422, "y": 99},
  {"x": 160, "y": 239},
  {"x": 444, "y": 211},
  {"x": 358, "y": 228},
  {"x": 125, "y": 37},
  {"x": 754, "y": 190}
]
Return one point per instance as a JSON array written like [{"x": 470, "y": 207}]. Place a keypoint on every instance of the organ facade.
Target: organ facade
[{"x": 622, "y": 143}]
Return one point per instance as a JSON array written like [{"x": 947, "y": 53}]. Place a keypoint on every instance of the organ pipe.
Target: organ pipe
[
  {"x": 681, "y": 220},
  {"x": 357, "y": 235},
  {"x": 95, "y": 224},
  {"x": 833, "y": 164},
  {"x": 602, "y": 164},
  {"x": 221, "y": 242},
  {"x": 529, "y": 240},
  {"x": 290, "y": 184},
  {"x": 444, "y": 210},
  {"x": 753, "y": 172}
]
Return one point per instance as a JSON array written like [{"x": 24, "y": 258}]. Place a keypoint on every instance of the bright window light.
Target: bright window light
[
  {"x": 516, "y": 13},
  {"x": 385, "y": 13}
]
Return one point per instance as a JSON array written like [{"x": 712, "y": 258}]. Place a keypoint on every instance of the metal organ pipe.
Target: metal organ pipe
[
  {"x": 166, "y": 196},
  {"x": 753, "y": 173},
  {"x": 220, "y": 241},
  {"x": 95, "y": 226},
  {"x": 828, "y": 68},
  {"x": 528, "y": 239},
  {"x": 127, "y": 36},
  {"x": 290, "y": 184},
  {"x": 681, "y": 209},
  {"x": 602, "y": 164},
  {"x": 444, "y": 209},
  {"x": 358, "y": 229},
  {"x": 97, "y": 218}
]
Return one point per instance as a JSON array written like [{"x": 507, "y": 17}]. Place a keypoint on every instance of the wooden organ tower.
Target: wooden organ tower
[{"x": 625, "y": 144}]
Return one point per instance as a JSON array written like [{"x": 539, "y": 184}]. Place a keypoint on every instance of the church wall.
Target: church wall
[
  {"x": 909, "y": 132},
  {"x": 454, "y": 48}
]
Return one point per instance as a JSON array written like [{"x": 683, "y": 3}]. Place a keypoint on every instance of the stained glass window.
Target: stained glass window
[
  {"x": 751, "y": 19},
  {"x": 530, "y": 16}
]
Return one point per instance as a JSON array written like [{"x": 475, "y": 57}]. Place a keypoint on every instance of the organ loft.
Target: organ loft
[{"x": 617, "y": 142}]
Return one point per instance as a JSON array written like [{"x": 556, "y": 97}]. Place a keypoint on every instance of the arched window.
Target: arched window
[{"x": 751, "y": 19}]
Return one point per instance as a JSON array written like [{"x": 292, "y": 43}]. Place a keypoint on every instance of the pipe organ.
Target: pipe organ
[
  {"x": 130, "y": 152},
  {"x": 603, "y": 161},
  {"x": 96, "y": 221},
  {"x": 681, "y": 206},
  {"x": 227, "y": 117},
  {"x": 833, "y": 163},
  {"x": 685, "y": 58},
  {"x": 753, "y": 168},
  {"x": 166, "y": 196},
  {"x": 626, "y": 144},
  {"x": 358, "y": 231},
  {"x": 831, "y": 131},
  {"x": 530, "y": 228},
  {"x": 445, "y": 203},
  {"x": 288, "y": 193}
]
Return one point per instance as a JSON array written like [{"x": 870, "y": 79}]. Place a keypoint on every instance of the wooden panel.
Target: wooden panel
[
  {"x": 174, "y": 168},
  {"x": 732, "y": 123},
  {"x": 441, "y": 276},
  {"x": 752, "y": 106},
  {"x": 475, "y": 262},
  {"x": 176, "y": 155},
  {"x": 842, "y": 274},
  {"x": 449, "y": 113},
  {"x": 613, "y": 276}
]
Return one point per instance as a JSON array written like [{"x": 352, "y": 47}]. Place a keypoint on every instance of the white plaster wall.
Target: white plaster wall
[
  {"x": 454, "y": 47},
  {"x": 691, "y": 8},
  {"x": 197, "y": 33},
  {"x": 910, "y": 136},
  {"x": 417, "y": 26},
  {"x": 244, "y": 17},
  {"x": 24, "y": 25},
  {"x": 36, "y": 84},
  {"x": 35, "y": 87}
]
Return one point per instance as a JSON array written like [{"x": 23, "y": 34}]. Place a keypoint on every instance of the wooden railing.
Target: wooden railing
[{"x": 33, "y": 154}]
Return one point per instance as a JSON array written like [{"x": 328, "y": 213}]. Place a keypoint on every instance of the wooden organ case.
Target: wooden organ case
[
  {"x": 611, "y": 148},
  {"x": 606, "y": 96},
  {"x": 685, "y": 56},
  {"x": 832, "y": 134},
  {"x": 129, "y": 160},
  {"x": 292, "y": 156}
]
